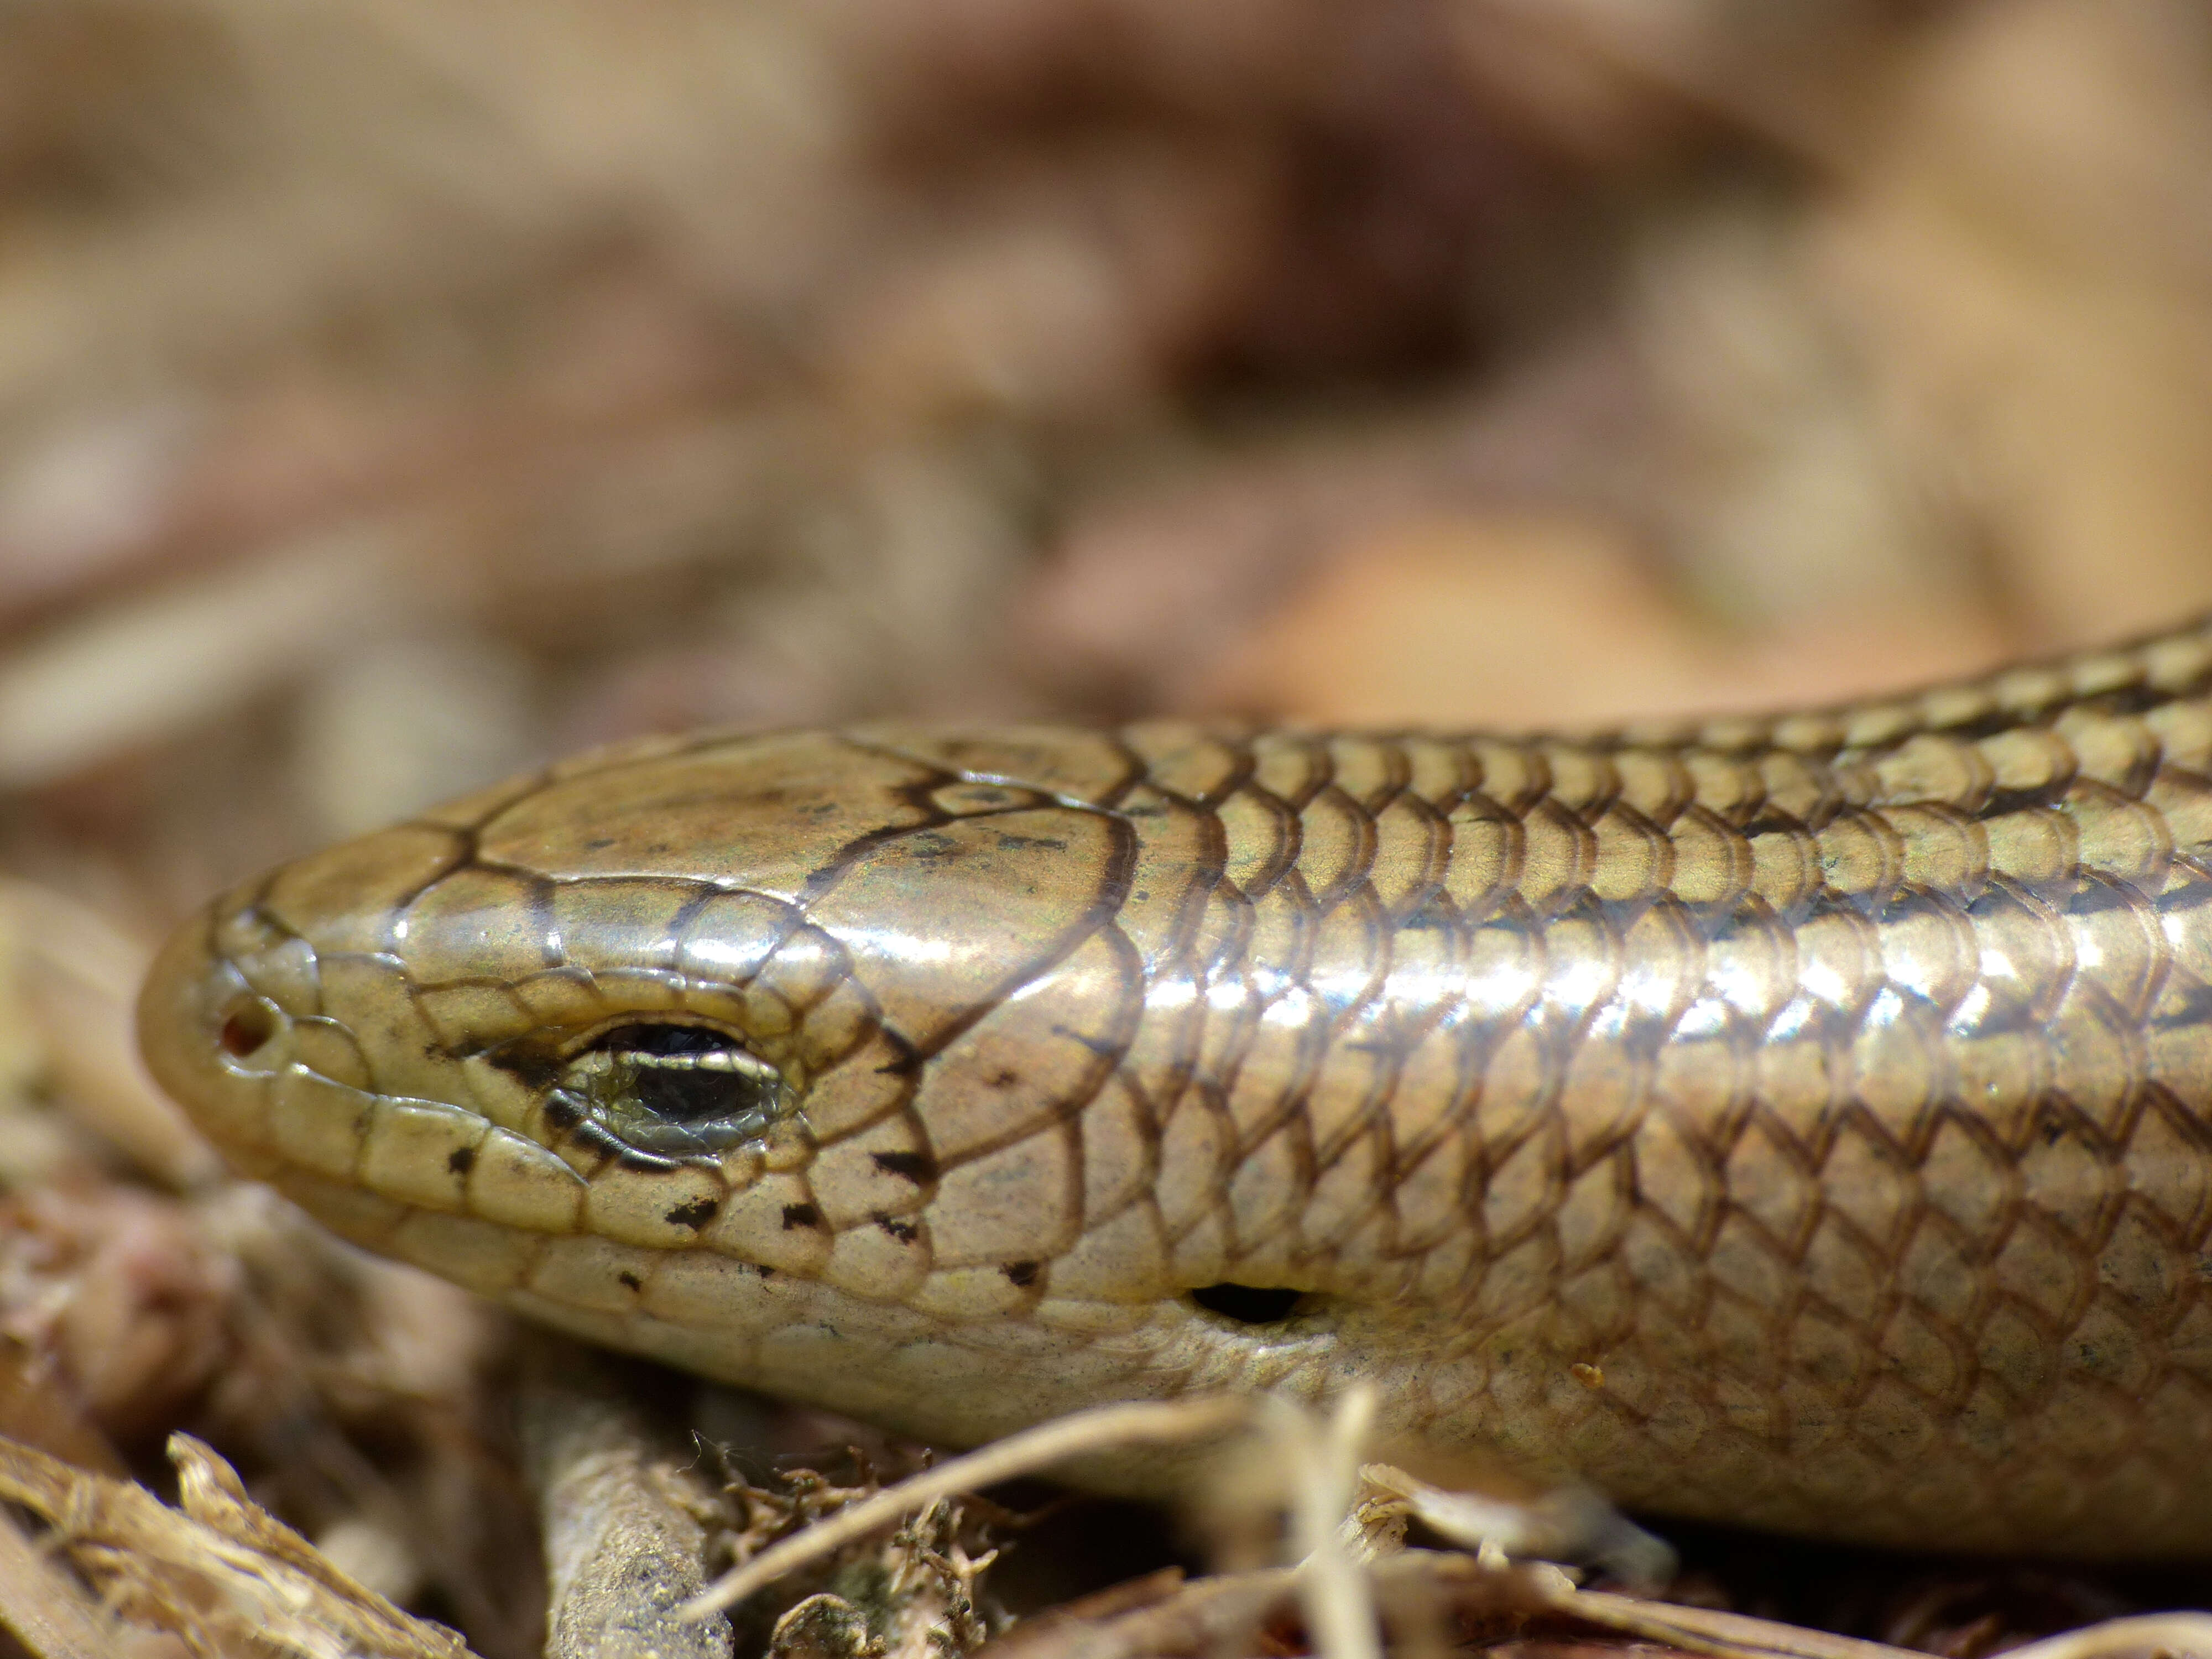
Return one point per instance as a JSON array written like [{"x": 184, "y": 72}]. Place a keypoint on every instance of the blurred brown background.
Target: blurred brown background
[{"x": 395, "y": 393}]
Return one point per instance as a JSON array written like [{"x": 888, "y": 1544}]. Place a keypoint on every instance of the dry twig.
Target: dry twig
[
  {"x": 220, "y": 1572},
  {"x": 1139, "y": 1422},
  {"x": 625, "y": 1541}
]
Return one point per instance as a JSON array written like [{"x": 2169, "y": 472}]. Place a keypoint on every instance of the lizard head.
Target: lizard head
[{"x": 805, "y": 1061}]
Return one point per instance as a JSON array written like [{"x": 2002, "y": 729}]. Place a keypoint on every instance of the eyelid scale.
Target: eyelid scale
[{"x": 693, "y": 1100}]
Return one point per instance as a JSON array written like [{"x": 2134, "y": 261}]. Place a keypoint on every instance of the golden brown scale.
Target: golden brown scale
[{"x": 1800, "y": 1123}]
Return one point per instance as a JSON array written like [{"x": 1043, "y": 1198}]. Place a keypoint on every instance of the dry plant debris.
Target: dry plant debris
[
  {"x": 624, "y": 1517},
  {"x": 1355, "y": 1586},
  {"x": 219, "y": 1571},
  {"x": 911, "y": 1591},
  {"x": 856, "y": 1514}
]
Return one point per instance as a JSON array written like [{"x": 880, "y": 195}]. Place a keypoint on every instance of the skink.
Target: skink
[{"x": 1800, "y": 1122}]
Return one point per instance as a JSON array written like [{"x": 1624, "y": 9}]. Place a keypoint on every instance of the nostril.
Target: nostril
[
  {"x": 246, "y": 1029},
  {"x": 1249, "y": 1305}
]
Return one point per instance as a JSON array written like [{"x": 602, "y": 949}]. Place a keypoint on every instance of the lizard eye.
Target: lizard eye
[
  {"x": 1251, "y": 1305},
  {"x": 674, "y": 1089}
]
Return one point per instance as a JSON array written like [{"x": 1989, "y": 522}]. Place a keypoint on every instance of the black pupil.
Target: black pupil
[
  {"x": 693, "y": 1097},
  {"x": 676, "y": 1093},
  {"x": 1249, "y": 1304}
]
